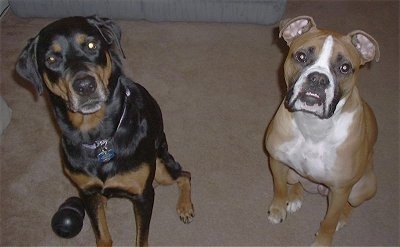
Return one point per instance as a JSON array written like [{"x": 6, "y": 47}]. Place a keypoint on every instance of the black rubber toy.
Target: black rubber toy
[{"x": 67, "y": 222}]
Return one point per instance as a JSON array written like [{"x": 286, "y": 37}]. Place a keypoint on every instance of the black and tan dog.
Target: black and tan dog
[{"x": 113, "y": 142}]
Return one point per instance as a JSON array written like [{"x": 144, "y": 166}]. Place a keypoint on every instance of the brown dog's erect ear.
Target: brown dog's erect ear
[
  {"x": 110, "y": 30},
  {"x": 27, "y": 67},
  {"x": 289, "y": 29},
  {"x": 366, "y": 45}
]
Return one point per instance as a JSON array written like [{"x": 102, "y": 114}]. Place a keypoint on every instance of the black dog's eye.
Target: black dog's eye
[
  {"x": 91, "y": 45},
  {"x": 301, "y": 57},
  {"x": 53, "y": 61},
  {"x": 345, "y": 68}
]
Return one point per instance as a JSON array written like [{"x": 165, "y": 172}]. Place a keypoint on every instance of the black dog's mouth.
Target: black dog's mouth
[
  {"x": 90, "y": 106},
  {"x": 86, "y": 106}
]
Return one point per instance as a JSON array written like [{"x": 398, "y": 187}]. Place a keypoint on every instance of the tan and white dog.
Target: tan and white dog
[{"x": 322, "y": 136}]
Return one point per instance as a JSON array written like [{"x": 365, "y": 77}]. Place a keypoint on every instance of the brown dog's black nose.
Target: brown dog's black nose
[
  {"x": 84, "y": 86},
  {"x": 318, "y": 79}
]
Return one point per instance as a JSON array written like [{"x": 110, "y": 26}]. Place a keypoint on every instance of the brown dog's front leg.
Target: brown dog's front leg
[
  {"x": 143, "y": 208},
  {"x": 277, "y": 209},
  {"x": 337, "y": 202},
  {"x": 95, "y": 205}
]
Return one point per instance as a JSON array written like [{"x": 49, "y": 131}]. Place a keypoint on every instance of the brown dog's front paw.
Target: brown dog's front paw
[
  {"x": 185, "y": 212},
  {"x": 276, "y": 214}
]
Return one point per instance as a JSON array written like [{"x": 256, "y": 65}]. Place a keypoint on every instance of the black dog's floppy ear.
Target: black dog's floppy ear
[
  {"x": 27, "y": 66},
  {"x": 110, "y": 30}
]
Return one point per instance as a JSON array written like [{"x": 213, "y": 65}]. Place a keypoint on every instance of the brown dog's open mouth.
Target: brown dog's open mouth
[{"x": 312, "y": 98}]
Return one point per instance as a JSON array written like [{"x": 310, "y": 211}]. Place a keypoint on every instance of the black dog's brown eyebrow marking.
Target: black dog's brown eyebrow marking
[
  {"x": 80, "y": 38},
  {"x": 56, "y": 47}
]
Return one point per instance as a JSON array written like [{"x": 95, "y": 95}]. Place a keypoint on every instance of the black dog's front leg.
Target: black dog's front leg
[
  {"x": 143, "y": 208},
  {"x": 95, "y": 205}
]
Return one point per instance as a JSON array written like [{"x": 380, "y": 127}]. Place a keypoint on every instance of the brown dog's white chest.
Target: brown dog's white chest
[{"x": 312, "y": 152}]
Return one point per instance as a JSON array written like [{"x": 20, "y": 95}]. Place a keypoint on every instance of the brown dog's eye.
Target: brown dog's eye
[
  {"x": 301, "y": 57},
  {"x": 345, "y": 68}
]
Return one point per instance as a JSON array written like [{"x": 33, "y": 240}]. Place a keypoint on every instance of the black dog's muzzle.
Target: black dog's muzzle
[{"x": 84, "y": 86}]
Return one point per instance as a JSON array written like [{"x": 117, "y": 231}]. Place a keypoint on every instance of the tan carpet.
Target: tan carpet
[{"x": 218, "y": 86}]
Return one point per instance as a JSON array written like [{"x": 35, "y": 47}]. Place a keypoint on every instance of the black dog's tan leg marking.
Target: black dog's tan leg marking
[
  {"x": 184, "y": 206},
  {"x": 143, "y": 208},
  {"x": 95, "y": 205},
  {"x": 139, "y": 190},
  {"x": 133, "y": 184},
  {"x": 83, "y": 181}
]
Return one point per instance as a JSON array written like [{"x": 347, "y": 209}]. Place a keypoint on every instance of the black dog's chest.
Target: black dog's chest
[
  {"x": 130, "y": 146},
  {"x": 103, "y": 151}
]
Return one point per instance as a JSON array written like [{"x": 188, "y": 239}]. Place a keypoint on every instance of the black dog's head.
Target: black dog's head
[{"x": 74, "y": 58}]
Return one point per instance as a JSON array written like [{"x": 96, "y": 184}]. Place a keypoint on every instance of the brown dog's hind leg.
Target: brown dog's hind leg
[{"x": 184, "y": 206}]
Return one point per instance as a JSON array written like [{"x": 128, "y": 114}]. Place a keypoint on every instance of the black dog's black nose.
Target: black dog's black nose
[
  {"x": 318, "y": 79},
  {"x": 84, "y": 86}
]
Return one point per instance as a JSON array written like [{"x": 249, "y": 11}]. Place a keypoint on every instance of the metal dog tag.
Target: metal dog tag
[{"x": 106, "y": 154}]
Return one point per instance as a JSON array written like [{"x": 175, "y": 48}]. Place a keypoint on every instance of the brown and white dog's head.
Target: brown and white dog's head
[
  {"x": 74, "y": 58},
  {"x": 322, "y": 66}
]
